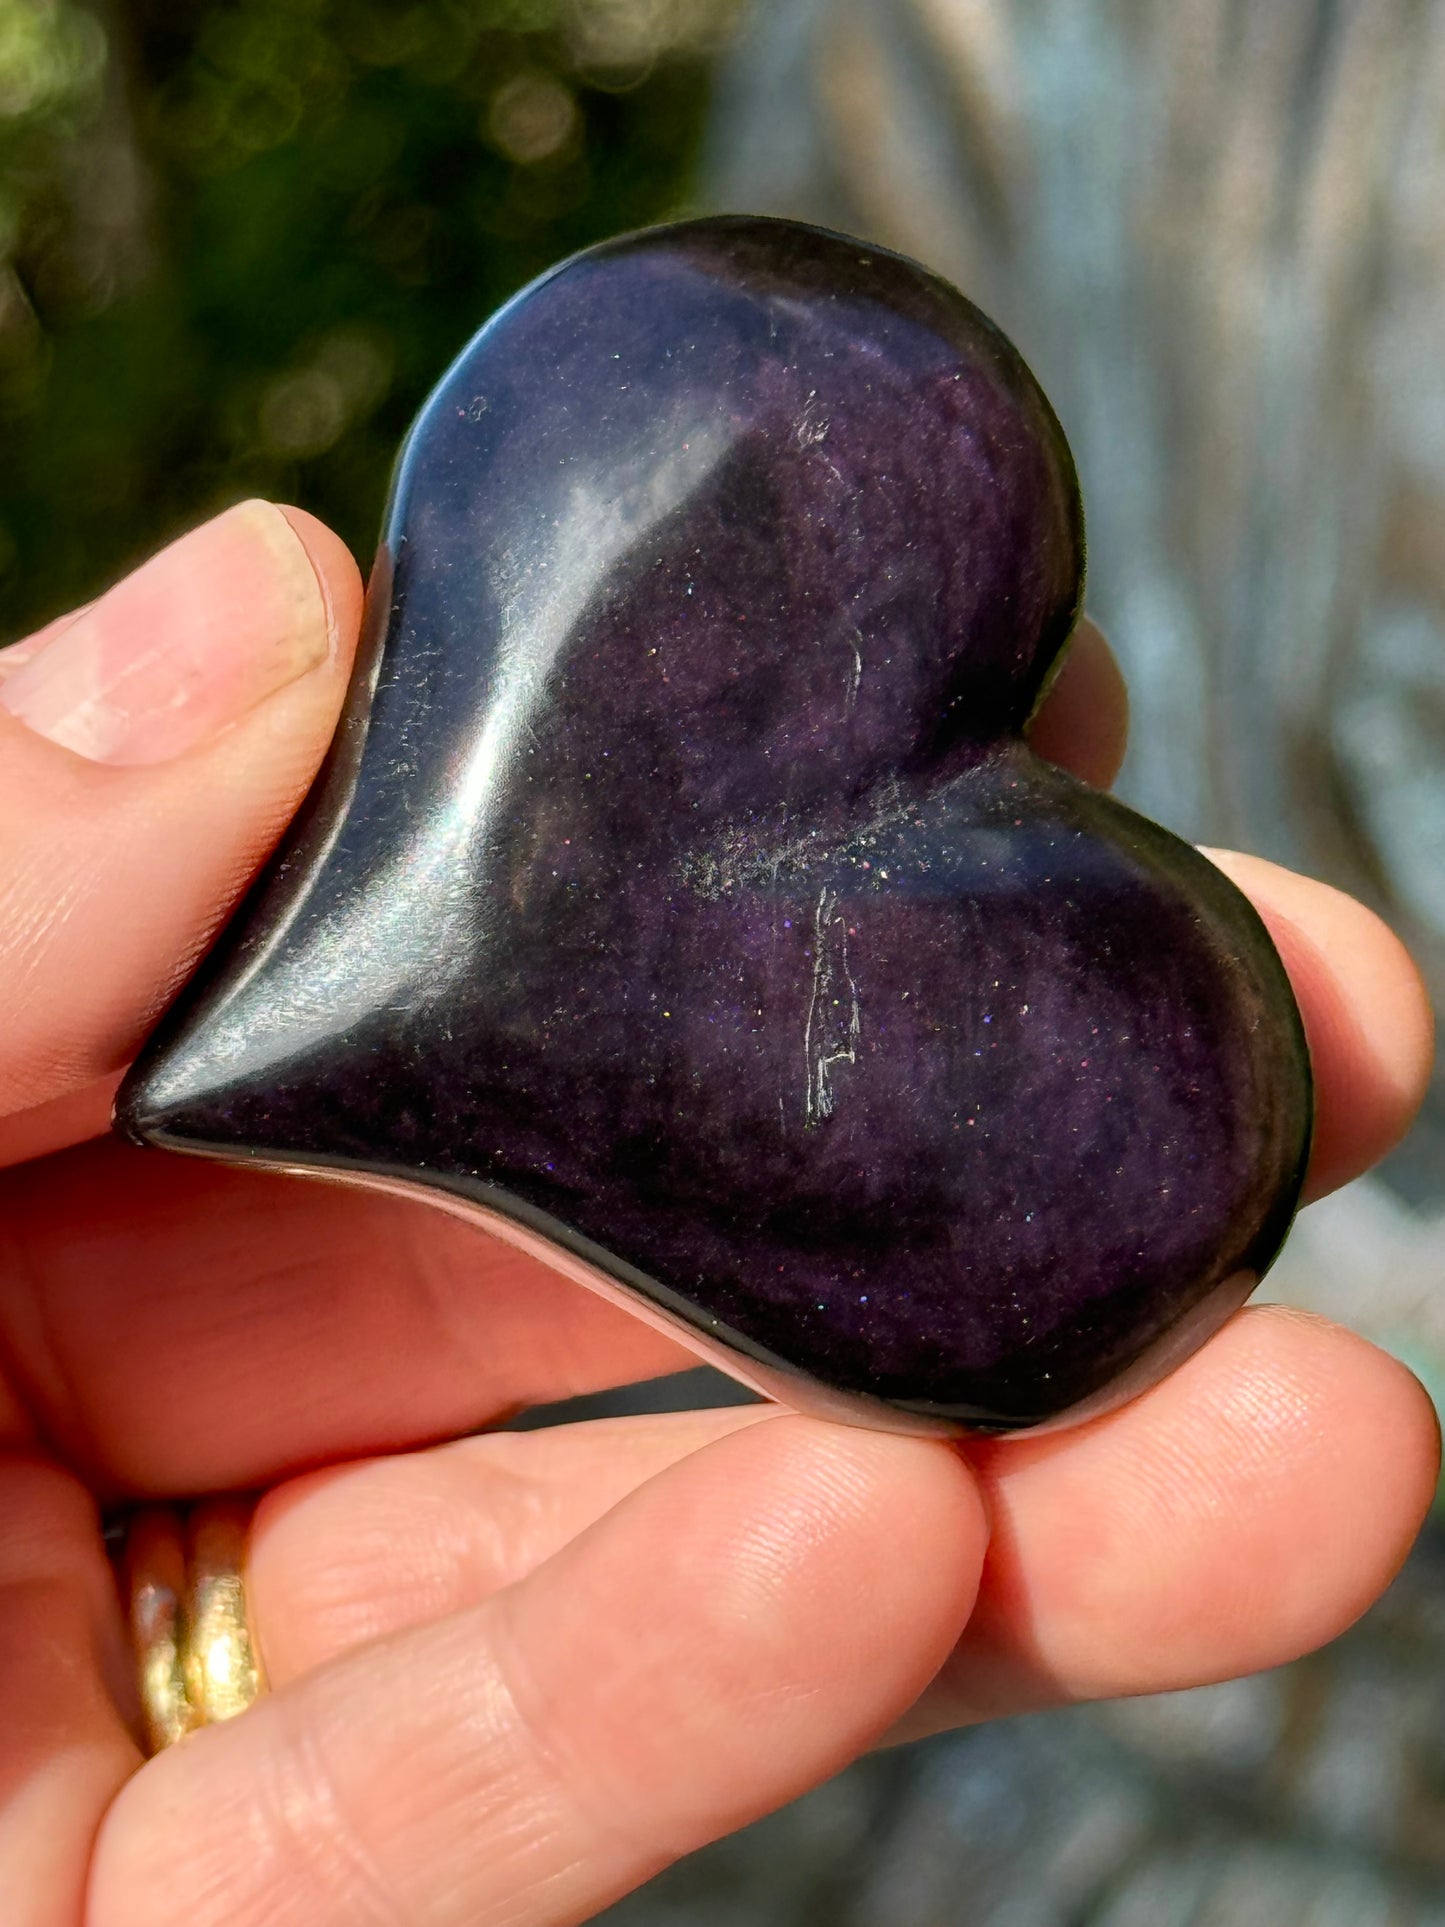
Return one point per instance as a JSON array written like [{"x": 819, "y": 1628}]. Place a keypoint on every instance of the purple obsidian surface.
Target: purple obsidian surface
[{"x": 680, "y": 886}]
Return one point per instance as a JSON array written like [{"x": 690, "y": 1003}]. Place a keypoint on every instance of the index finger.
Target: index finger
[{"x": 1366, "y": 1013}]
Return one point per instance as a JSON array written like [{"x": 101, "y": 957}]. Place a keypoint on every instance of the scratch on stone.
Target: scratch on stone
[
  {"x": 813, "y": 423},
  {"x": 855, "y": 678},
  {"x": 830, "y": 1036},
  {"x": 739, "y": 858}
]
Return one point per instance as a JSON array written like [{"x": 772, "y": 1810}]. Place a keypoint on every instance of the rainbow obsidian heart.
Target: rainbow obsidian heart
[{"x": 680, "y": 891}]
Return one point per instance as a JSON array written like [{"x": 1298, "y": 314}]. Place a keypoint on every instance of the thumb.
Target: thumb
[{"x": 151, "y": 749}]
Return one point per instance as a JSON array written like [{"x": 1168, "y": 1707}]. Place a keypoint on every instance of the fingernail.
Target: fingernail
[{"x": 181, "y": 649}]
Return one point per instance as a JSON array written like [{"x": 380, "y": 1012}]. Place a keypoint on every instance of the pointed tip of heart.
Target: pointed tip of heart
[
  {"x": 171, "y": 1099},
  {"x": 209, "y": 1078},
  {"x": 146, "y": 1113}
]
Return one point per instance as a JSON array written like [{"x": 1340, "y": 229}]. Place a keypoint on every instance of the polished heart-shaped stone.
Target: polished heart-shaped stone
[{"x": 680, "y": 895}]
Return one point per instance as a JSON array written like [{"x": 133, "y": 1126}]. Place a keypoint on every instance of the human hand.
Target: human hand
[{"x": 514, "y": 1675}]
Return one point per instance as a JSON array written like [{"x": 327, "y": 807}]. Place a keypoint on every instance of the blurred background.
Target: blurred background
[{"x": 239, "y": 239}]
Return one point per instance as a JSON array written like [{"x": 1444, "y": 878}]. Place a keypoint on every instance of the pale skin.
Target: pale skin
[{"x": 515, "y": 1675}]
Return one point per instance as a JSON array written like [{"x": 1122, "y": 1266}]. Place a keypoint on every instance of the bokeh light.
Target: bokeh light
[{"x": 240, "y": 238}]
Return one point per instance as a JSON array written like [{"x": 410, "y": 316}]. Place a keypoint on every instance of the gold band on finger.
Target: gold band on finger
[{"x": 197, "y": 1660}]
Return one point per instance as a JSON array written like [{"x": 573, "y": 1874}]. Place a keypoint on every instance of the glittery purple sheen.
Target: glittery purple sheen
[{"x": 680, "y": 884}]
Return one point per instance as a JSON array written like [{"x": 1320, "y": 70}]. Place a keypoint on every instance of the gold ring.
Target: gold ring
[{"x": 197, "y": 1660}]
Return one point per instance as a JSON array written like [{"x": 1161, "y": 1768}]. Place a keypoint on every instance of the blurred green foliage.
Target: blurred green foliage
[{"x": 239, "y": 239}]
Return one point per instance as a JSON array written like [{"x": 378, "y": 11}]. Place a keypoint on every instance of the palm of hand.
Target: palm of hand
[{"x": 515, "y": 1674}]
